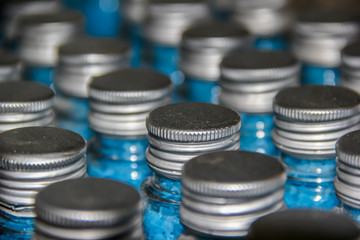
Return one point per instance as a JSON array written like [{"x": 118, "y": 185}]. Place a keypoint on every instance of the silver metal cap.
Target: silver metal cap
[
  {"x": 34, "y": 157},
  {"x": 10, "y": 66},
  {"x": 181, "y": 131},
  {"x": 167, "y": 19},
  {"x": 84, "y": 58},
  {"x": 304, "y": 224},
  {"x": 321, "y": 34},
  {"x": 223, "y": 192},
  {"x": 251, "y": 78},
  {"x": 347, "y": 149},
  {"x": 310, "y": 119},
  {"x": 13, "y": 10},
  {"x": 89, "y": 208},
  {"x": 350, "y": 56},
  {"x": 135, "y": 11},
  {"x": 121, "y": 100},
  {"x": 25, "y": 104},
  {"x": 204, "y": 44},
  {"x": 42, "y": 34}
]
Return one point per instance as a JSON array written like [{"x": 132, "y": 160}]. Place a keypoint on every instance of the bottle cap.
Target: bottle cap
[
  {"x": 42, "y": 34},
  {"x": 304, "y": 224},
  {"x": 204, "y": 44},
  {"x": 181, "y": 131},
  {"x": 350, "y": 66},
  {"x": 80, "y": 59},
  {"x": 251, "y": 78},
  {"x": 34, "y": 157},
  {"x": 10, "y": 66},
  {"x": 321, "y": 34},
  {"x": 223, "y": 192},
  {"x": 88, "y": 208},
  {"x": 120, "y": 100},
  {"x": 310, "y": 119},
  {"x": 167, "y": 19}
]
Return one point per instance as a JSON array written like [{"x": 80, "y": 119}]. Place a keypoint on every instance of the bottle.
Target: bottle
[
  {"x": 12, "y": 11},
  {"x": 203, "y": 46},
  {"x": 80, "y": 60},
  {"x": 350, "y": 66},
  {"x": 25, "y": 104},
  {"x": 103, "y": 18},
  {"x": 10, "y": 66},
  {"x": 40, "y": 37},
  {"x": 119, "y": 103},
  {"x": 268, "y": 20},
  {"x": 32, "y": 158},
  {"x": 224, "y": 192},
  {"x": 135, "y": 13},
  {"x": 319, "y": 36},
  {"x": 308, "y": 122},
  {"x": 176, "y": 133},
  {"x": 249, "y": 81},
  {"x": 347, "y": 173},
  {"x": 221, "y": 9},
  {"x": 299, "y": 224},
  {"x": 89, "y": 208},
  {"x": 167, "y": 19}
]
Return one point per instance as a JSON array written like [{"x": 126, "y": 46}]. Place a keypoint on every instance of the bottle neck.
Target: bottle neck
[{"x": 120, "y": 147}]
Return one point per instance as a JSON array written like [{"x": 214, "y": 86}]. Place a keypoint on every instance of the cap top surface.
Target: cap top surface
[
  {"x": 352, "y": 49},
  {"x": 130, "y": 79},
  {"x": 193, "y": 118},
  {"x": 255, "y": 59},
  {"x": 22, "y": 91},
  {"x": 55, "y": 17},
  {"x": 348, "y": 147},
  {"x": 328, "y": 16},
  {"x": 303, "y": 224},
  {"x": 8, "y": 58},
  {"x": 213, "y": 29}
]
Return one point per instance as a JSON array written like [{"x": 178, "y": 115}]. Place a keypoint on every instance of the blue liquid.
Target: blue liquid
[
  {"x": 102, "y": 16},
  {"x": 202, "y": 91},
  {"x": 161, "y": 218},
  {"x": 311, "y": 74},
  {"x": 73, "y": 115},
  {"x": 255, "y": 134},
  {"x": 15, "y": 228},
  {"x": 271, "y": 43},
  {"x": 352, "y": 212},
  {"x": 119, "y": 159},
  {"x": 38, "y": 74},
  {"x": 165, "y": 59},
  {"x": 310, "y": 183}
]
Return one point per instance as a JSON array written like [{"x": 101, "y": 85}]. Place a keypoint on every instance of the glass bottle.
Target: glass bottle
[
  {"x": 135, "y": 13},
  {"x": 249, "y": 81},
  {"x": 224, "y": 192},
  {"x": 308, "y": 122},
  {"x": 347, "y": 173},
  {"x": 301, "y": 224},
  {"x": 268, "y": 20},
  {"x": 350, "y": 66},
  {"x": 10, "y": 66},
  {"x": 167, "y": 19},
  {"x": 103, "y": 17},
  {"x": 95, "y": 209},
  {"x": 40, "y": 37},
  {"x": 119, "y": 103},
  {"x": 32, "y": 158},
  {"x": 203, "y": 46},
  {"x": 319, "y": 36},
  {"x": 25, "y": 104},
  {"x": 12, "y": 11},
  {"x": 79, "y": 61},
  {"x": 176, "y": 133}
]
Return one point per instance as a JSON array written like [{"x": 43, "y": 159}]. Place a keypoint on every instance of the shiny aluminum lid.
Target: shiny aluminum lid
[
  {"x": 135, "y": 11},
  {"x": 42, "y": 34},
  {"x": 120, "y": 100},
  {"x": 83, "y": 58},
  {"x": 321, "y": 34},
  {"x": 259, "y": 4},
  {"x": 10, "y": 66},
  {"x": 350, "y": 56},
  {"x": 347, "y": 149},
  {"x": 301, "y": 224},
  {"x": 34, "y": 157},
  {"x": 204, "y": 44},
  {"x": 223, "y": 192},
  {"x": 167, "y": 19},
  {"x": 89, "y": 208}
]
